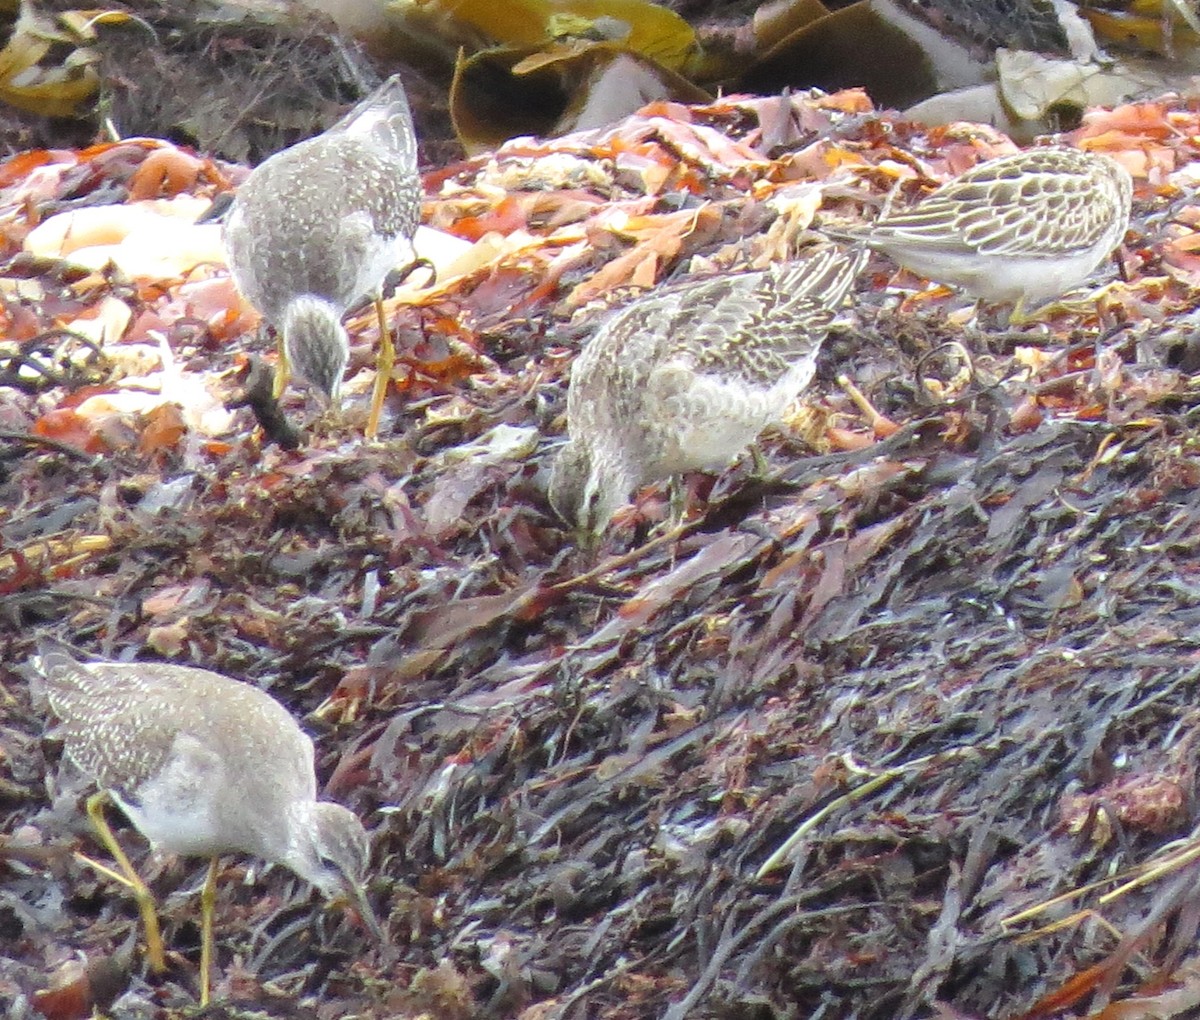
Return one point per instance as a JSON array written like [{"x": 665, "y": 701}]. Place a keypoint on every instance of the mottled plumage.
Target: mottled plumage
[
  {"x": 204, "y": 765},
  {"x": 685, "y": 378},
  {"x": 1023, "y": 228},
  {"x": 318, "y": 226}
]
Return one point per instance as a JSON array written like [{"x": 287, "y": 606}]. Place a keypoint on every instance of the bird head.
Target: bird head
[
  {"x": 316, "y": 344},
  {"x": 333, "y": 856},
  {"x": 586, "y": 490}
]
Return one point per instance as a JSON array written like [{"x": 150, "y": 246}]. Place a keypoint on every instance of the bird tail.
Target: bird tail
[
  {"x": 385, "y": 116},
  {"x": 53, "y": 656},
  {"x": 859, "y": 234},
  {"x": 50, "y": 665},
  {"x": 826, "y": 277}
]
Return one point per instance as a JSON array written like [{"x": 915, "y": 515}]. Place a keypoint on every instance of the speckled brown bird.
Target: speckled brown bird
[
  {"x": 1022, "y": 228},
  {"x": 317, "y": 228},
  {"x": 202, "y": 765},
  {"x": 686, "y": 377}
]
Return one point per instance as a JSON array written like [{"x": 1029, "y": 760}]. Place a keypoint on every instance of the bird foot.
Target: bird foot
[{"x": 1090, "y": 303}]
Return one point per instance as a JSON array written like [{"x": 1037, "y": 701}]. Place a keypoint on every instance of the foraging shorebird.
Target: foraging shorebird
[
  {"x": 1023, "y": 228},
  {"x": 202, "y": 765},
  {"x": 317, "y": 228},
  {"x": 685, "y": 378}
]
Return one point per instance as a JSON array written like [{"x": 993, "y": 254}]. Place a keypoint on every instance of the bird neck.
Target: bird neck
[
  {"x": 299, "y": 852},
  {"x": 307, "y": 310}
]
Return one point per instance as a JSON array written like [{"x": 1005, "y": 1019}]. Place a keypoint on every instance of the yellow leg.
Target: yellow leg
[
  {"x": 1019, "y": 317},
  {"x": 208, "y": 900},
  {"x": 759, "y": 464},
  {"x": 383, "y": 370},
  {"x": 677, "y": 500},
  {"x": 283, "y": 371},
  {"x": 1090, "y": 303},
  {"x": 145, "y": 899}
]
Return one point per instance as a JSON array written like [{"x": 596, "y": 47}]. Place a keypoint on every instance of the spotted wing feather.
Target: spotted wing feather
[
  {"x": 1040, "y": 204},
  {"x": 757, "y": 326},
  {"x": 121, "y": 722},
  {"x": 107, "y": 726}
]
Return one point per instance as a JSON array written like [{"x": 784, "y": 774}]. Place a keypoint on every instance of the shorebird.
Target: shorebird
[
  {"x": 317, "y": 227},
  {"x": 1022, "y": 228},
  {"x": 685, "y": 378},
  {"x": 202, "y": 765}
]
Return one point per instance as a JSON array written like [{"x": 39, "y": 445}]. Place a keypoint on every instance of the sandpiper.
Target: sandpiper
[
  {"x": 317, "y": 227},
  {"x": 685, "y": 378},
  {"x": 202, "y": 765},
  {"x": 1022, "y": 228}
]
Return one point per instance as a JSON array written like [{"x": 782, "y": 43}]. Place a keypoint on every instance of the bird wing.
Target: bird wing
[
  {"x": 755, "y": 325},
  {"x": 612, "y": 369},
  {"x": 826, "y": 277},
  {"x": 774, "y": 317},
  {"x": 103, "y": 716},
  {"x": 1043, "y": 207},
  {"x": 240, "y": 241},
  {"x": 1033, "y": 222}
]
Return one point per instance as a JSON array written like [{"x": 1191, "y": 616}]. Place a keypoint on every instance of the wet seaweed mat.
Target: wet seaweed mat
[{"x": 812, "y": 753}]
